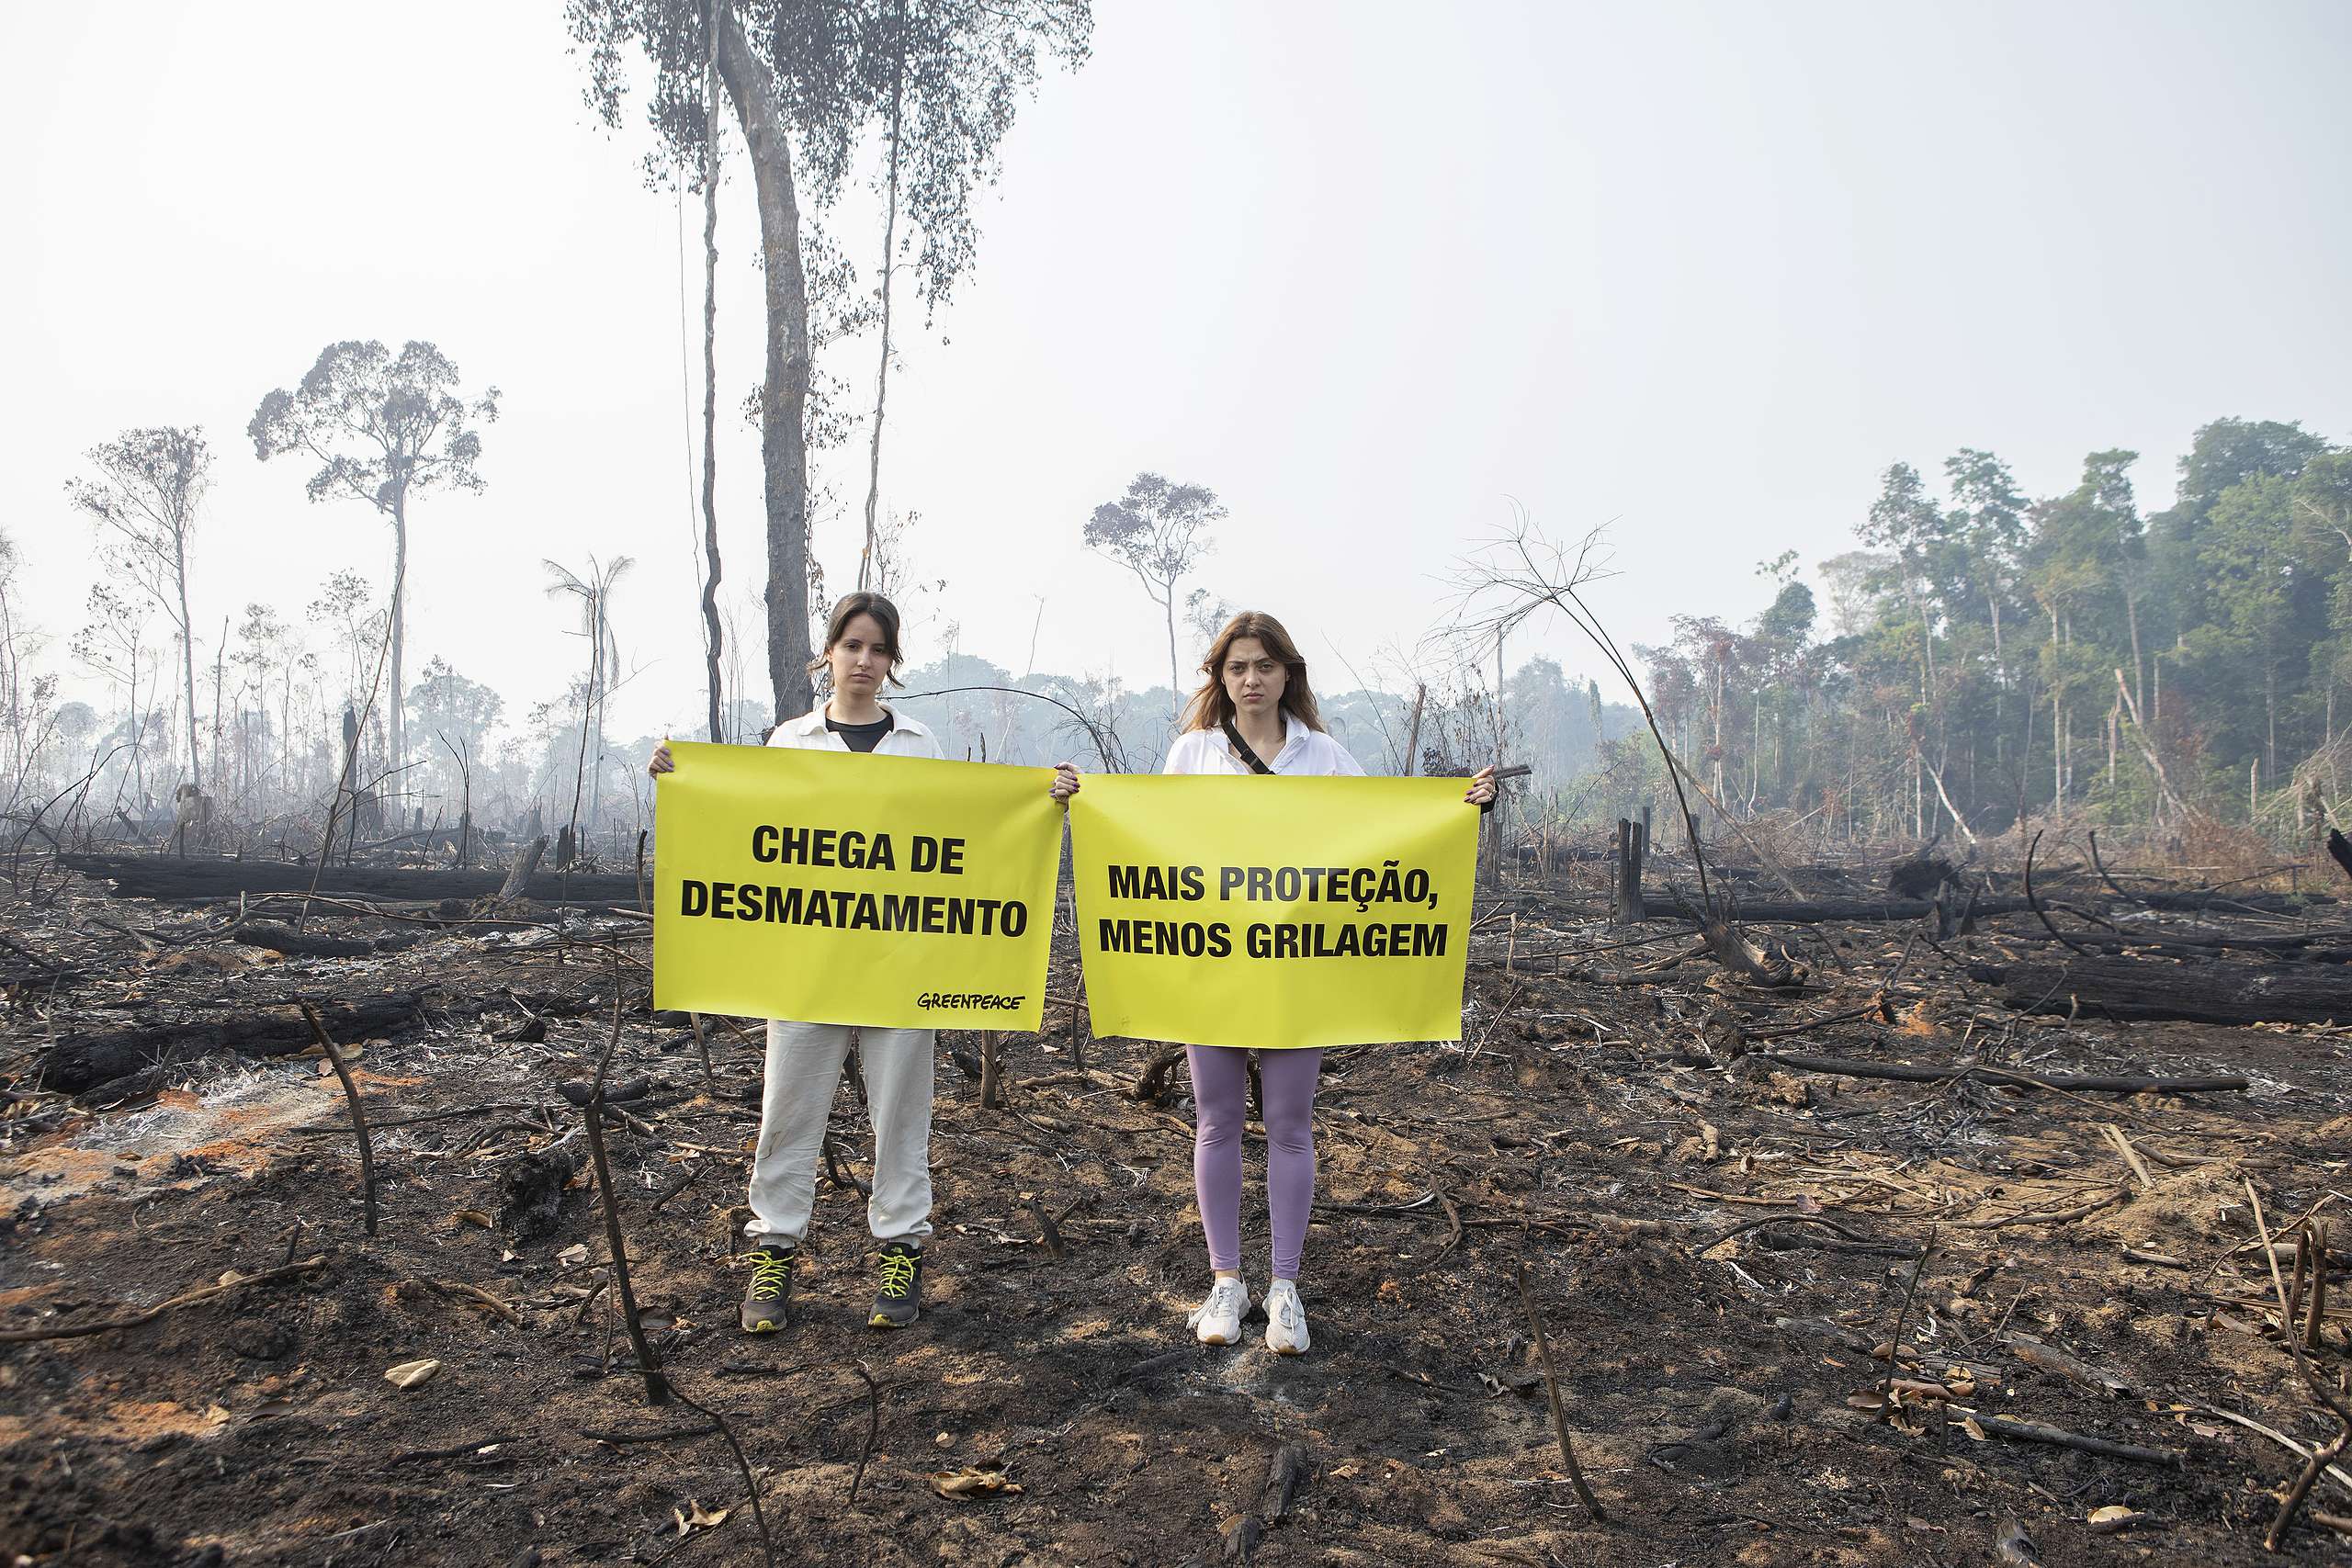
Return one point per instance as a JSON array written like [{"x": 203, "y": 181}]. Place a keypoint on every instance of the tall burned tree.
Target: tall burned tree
[
  {"x": 1157, "y": 531},
  {"x": 594, "y": 592},
  {"x": 113, "y": 643},
  {"x": 809, "y": 79},
  {"x": 383, "y": 429},
  {"x": 144, "y": 496}
]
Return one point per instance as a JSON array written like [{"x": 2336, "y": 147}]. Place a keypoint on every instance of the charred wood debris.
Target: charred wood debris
[{"x": 1880, "y": 1211}]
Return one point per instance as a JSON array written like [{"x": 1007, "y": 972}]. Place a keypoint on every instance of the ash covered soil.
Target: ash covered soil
[{"x": 1602, "y": 1124}]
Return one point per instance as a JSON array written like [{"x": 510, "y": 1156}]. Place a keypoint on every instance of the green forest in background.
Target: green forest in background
[{"x": 1983, "y": 658}]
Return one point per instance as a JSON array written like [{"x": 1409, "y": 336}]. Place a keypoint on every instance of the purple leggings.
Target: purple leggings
[{"x": 1221, "y": 1103}]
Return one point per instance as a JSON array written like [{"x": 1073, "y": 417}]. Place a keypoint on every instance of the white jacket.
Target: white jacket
[
  {"x": 1306, "y": 752},
  {"x": 807, "y": 733}
]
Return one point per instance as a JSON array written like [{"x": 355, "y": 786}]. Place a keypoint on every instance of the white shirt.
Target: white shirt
[
  {"x": 1305, "y": 751},
  {"x": 807, "y": 733}
]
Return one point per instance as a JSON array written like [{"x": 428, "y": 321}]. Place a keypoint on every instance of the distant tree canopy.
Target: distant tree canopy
[
  {"x": 810, "y": 80},
  {"x": 2021, "y": 657},
  {"x": 383, "y": 428},
  {"x": 143, "y": 490},
  {"x": 1159, "y": 531}
]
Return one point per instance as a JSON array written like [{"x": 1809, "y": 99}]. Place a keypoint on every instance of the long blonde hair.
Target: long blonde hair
[{"x": 1211, "y": 707}]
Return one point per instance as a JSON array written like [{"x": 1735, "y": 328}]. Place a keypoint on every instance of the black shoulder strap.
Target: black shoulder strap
[{"x": 1241, "y": 749}]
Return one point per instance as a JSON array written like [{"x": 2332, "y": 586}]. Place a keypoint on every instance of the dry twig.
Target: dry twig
[
  {"x": 2321, "y": 1457},
  {"x": 133, "y": 1320},
  {"x": 1552, "y": 1392},
  {"x": 358, "y": 1117},
  {"x": 657, "y": 1386},
  {"x": 873, "y": 1425}
]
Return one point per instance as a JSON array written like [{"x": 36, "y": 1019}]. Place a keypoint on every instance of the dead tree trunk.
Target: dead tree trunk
[
  {"x": 518, "y": 873},
  {"x": 1631, "y": 845}
]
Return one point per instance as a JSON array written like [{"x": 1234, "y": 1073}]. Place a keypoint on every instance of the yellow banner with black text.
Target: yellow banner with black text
[
  {"x": 1273, "y": 912},
  {"x": 829, "y": 887}
]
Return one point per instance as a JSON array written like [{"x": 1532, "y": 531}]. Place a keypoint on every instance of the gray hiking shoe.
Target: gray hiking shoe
[
  {"x": 900, "y": 1300},
  {"x": 767, "y": 1300}
]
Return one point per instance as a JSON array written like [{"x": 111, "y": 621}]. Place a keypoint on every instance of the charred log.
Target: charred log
[
  {"x": 2210, "y": 992},
  {"x": 151, "y": 876},
  {"x": 80, "y": 1063}
]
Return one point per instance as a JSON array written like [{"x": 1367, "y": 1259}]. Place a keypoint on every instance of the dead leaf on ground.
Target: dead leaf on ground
[
  {"x": 973, "y": 1483},
  {"x": 694, "y": 1517},
  {"x": 408, "y": 1374}
]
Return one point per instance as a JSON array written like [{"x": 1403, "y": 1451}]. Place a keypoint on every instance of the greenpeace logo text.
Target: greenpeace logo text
[{"x": 975, "y": 1001}]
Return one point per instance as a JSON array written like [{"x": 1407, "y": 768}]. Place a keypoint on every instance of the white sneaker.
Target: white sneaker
[
  {"x": 1285, "y": 1320},
  {"x": 1217, "y": 1320}
]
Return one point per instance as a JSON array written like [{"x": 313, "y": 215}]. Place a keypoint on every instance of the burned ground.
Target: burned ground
[{"x": 1720, "y": 1245}]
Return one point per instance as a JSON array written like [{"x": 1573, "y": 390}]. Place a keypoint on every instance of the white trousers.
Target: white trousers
[{"x": 804, "y": 1069}]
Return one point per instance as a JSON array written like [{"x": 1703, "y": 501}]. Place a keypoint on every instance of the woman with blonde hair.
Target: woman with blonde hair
[{"x": 1256, "y": 714}]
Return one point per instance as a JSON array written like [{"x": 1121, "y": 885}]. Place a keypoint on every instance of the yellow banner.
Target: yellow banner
[
  {"x": 830, "y": 888},
  {"x": 1273, "y": 912}
]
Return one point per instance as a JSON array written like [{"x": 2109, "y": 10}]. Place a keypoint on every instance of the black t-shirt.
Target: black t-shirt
[{"x": 860, "y": 737}]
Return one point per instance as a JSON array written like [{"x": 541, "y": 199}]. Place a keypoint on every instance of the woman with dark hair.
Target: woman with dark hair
[
  {"x": 804, "y": 1060},
  {"x": 1256, "y": 714}
]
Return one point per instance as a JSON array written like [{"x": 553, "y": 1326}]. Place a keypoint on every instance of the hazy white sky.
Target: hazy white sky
[{"x": 1698, "y": 271}]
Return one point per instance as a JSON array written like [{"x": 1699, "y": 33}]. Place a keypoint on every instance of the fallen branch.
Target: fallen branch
[
  {"x": 456, "y": 1289},
  {"x": 455, "y": 1450},
  {"x": 620, "y": 1439},
  {"x": 133, "y": 1320},
  {"x": 2036, "y": 1432},
  {"x": 1789, "y": 1219},
  {"x": 2073, "y": 1368},
  {"x": 701, "y": 1168},
  {"x": 2114, "y": 1135},
  {"x": 1871, "y": 1009},
  {"x": 1423, "y": 1201},
  {"x": 421, "y": 1121},
  {"x": 2081, "y": 1083},
  {"x": 2055, "y": 1217},
  {"x": 1151, "y": 1088},
  {"x": 2335, "y": 1472}
]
